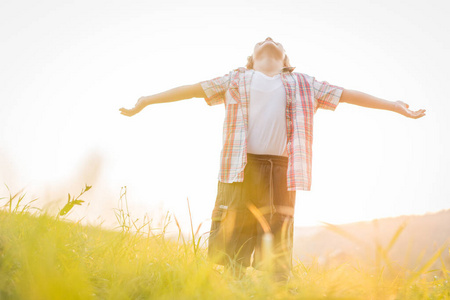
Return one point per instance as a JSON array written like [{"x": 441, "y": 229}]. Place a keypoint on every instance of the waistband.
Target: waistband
[{"x": 266, "y": 157}]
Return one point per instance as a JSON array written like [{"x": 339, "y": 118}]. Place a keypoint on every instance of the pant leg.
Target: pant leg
[
  {"x": 233, "y": 228},
  {"x": 281, "y": 220}
]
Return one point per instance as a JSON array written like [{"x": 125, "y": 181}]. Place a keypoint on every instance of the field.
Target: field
[{"x": 44, "y": 256}]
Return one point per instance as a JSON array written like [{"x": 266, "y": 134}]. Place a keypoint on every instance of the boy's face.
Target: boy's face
[{"x": 269, "y": 46}]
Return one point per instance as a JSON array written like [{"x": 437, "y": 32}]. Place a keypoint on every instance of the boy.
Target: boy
[{"x": 266, "y": 155}]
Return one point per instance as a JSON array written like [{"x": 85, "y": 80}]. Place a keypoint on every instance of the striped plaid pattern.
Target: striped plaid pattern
[{"x": 304, "y": 96}]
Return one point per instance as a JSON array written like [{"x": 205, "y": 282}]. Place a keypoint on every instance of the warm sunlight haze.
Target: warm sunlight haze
[{"x": 68, "y": 67}]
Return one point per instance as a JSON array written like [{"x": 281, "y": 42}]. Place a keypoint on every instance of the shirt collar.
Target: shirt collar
[{"x": 284, "y": 70}]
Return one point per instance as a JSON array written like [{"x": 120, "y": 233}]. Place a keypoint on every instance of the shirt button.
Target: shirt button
[{"x": 290, "y": 122}]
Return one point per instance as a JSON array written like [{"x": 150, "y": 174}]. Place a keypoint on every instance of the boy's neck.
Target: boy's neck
[{"x": 268, "y": 65}]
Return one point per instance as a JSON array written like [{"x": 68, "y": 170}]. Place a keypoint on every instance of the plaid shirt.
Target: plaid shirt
[{"x": 304, "y": 96}]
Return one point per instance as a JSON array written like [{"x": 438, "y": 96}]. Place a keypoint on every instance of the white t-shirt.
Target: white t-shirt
[{"x": 267, "y": 115}]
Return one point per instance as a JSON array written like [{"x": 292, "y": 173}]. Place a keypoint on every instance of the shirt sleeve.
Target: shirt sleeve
[
  {"x": 327, "y": 96},
  {"x": 215, "y": 89}
]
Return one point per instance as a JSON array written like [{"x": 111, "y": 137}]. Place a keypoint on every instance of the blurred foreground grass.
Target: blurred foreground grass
[{"x": 48, "y": 257}]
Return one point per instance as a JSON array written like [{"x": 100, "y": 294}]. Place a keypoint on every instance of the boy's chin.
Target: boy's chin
[{"x": 271, "y": 50}]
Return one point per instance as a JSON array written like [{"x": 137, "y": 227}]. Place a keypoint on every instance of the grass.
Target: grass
[{"x": 48, "y": 257}]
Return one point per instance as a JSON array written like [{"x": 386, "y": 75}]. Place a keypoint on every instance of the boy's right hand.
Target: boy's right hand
[
  {"x": 128, "y": 112},
  {"x": 137, "y": 108},
  {"x": 175, "y": 94}
]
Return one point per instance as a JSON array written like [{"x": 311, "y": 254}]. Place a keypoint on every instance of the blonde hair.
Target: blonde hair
[{"x": 250, "y": 62}]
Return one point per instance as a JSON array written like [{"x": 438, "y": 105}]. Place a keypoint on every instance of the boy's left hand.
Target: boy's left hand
[{"x": 403, "y": 108}]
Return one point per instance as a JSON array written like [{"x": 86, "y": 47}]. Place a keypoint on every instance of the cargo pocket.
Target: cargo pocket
[
  {"x": 222, "y": 203},
  {"x": 219, "y": 213}
]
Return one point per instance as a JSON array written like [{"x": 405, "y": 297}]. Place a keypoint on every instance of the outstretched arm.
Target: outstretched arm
[
  {"x": 362, "y": 99},
  {"x": 176, "y": 94}
]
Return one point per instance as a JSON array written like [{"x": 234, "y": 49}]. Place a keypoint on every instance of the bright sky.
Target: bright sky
[{"x": 67, "y": 67}]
